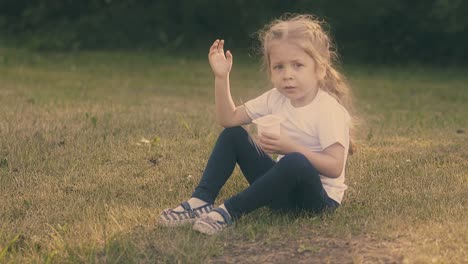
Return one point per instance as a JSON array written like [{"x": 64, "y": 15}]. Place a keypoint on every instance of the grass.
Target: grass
[{"x": 77, "y": 184}]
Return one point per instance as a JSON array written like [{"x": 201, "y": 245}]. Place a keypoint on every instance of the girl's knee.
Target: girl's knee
[
  {"x": 294, "y": 157},
  {"x": 296, "y": 160},
  {"x": 233, "y": 132}
]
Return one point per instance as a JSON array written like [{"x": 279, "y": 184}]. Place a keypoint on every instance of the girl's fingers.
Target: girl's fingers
[
  {"x": 214, "y": 47},
  {"x": 229, "y": 56},
  {"x": 270, "y": 135},
  {"x": 269, "y": 150},
  {"x": 221, "y": 46},
  {"x": 267, "y": 146},
  {"x": 267, "y": 141}
]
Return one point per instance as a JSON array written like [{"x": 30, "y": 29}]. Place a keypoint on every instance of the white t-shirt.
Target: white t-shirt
[{"x": 318, "y": 125}]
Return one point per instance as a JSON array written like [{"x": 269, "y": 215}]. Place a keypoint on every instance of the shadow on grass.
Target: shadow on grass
[{"x": 263, "y": 236}]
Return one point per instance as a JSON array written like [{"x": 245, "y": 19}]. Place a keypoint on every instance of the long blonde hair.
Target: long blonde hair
[{"x": 307, "y": 32}]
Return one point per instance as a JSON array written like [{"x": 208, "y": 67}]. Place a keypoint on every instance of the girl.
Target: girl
[{"x": 312, "y": 99}]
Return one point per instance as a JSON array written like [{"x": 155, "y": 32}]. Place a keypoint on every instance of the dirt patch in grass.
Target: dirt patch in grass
[{"x": 312, "y": 249}]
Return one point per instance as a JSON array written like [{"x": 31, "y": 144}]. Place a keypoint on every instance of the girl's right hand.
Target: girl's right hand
[{"x": 220, "y": 64}]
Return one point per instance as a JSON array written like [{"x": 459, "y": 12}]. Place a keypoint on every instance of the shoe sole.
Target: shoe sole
[
  {"x": 175, "y": 223},
  {"x": 203, "y": 228}
]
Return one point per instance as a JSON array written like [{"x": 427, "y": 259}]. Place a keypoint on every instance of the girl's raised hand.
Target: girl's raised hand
[{"x": 220, "y": 64}]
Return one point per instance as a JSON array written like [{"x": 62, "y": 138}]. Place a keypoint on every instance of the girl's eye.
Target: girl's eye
[
  {"x": 298, "y": 65},
  {"x": 277, "y": 67}
]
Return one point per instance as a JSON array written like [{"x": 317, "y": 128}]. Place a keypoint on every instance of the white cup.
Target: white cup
[{"x": 269, "y": 124}]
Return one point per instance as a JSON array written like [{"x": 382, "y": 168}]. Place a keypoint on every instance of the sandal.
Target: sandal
[
  {"x": 170, "y": 218},
  {"x": 209, "y": 226}
]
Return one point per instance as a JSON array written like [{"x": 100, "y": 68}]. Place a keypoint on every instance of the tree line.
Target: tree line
[{"x": 427, "y": 31}]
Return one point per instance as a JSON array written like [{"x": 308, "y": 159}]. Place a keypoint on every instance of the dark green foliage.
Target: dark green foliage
[{"x": 433, "y": 31}]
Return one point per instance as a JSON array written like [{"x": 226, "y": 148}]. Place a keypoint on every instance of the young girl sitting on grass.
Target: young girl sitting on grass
[{"x": 312, "y": 99}]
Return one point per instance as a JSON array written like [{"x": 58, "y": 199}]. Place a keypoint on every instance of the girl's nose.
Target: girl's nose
[{"x": 287, "y": 74}]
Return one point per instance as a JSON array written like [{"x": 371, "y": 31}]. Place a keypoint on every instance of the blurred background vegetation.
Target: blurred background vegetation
[{"x": 387, "y": 31}]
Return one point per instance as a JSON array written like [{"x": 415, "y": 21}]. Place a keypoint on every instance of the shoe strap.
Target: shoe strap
[
  {"x": 189, "y": 209},
  {"x": 186, "y": 206},
  {"x": 224, "y": 214}
]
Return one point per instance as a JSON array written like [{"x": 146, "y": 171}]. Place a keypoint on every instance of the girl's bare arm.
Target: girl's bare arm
[{"x": 227, "y": 114}]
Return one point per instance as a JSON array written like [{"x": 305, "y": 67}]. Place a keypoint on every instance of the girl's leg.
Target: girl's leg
[
  {"x": 293, "y": 183},
  {"x": 234, "y": 145}
]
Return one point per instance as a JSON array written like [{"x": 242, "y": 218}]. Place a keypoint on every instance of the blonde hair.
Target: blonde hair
[{"x": 307, "y": 32}]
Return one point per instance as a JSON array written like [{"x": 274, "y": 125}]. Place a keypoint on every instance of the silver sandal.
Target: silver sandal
[
  {"x": 209, "y": 226},
  {"x": 171, "y": 218}
]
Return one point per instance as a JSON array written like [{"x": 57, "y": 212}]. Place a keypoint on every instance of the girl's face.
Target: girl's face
[{"x": 293, "y": 72}]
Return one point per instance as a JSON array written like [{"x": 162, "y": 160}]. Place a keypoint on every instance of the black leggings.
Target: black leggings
[{"x": 292, "y": 183}]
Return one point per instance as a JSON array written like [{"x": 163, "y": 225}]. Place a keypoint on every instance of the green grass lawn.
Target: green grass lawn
[{"x": 77, "y": 185}]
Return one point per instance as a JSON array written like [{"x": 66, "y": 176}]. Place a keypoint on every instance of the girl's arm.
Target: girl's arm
[
  {"x": 227, "y": 114},
  {"x": 329, "y": 162}
]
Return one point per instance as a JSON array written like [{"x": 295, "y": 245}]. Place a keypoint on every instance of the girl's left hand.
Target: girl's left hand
[{"x": 276, "y": 144}]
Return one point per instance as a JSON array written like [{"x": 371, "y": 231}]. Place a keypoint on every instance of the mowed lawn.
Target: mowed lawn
[{"x": 94, "y": 145}]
